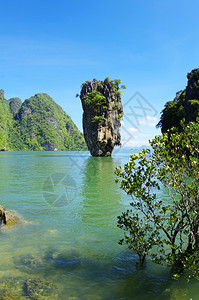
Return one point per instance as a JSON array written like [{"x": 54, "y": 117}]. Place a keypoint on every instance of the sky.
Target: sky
[{"x": 52, "y": 47}]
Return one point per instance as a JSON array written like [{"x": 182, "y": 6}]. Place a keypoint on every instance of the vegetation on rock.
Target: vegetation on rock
[
  {"x": 101, "y": 101},
  {"x": 185, "y": 105},
  {"x": 97, "y": 101},
  {"x": 165, "y": 229},
  {"x": 37, "y": 124}
]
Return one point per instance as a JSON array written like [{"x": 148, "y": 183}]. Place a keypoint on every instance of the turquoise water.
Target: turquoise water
[{"x": 69, "y": 203}]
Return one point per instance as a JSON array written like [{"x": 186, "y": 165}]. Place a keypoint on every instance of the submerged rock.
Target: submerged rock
[
  {"x": 22, "y": 288},
  {"x": 37, "y": 288},
  {"x": 7, "y": 217},
  {"x": 12, "y": 288},
  {"x": 101, "y": 102},
  {"x": 29, "y": 262}
]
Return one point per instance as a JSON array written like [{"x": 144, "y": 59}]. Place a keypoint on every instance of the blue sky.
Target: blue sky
[{"x": 54, "y": 46}]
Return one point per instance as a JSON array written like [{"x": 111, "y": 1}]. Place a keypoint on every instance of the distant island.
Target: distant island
[{"x": 38, "y": 123}]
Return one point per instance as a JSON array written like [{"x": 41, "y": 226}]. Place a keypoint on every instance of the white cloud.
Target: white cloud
[
  {"x": 146, "y": 121},
  {"x": 136, "y": 143},
  {"x": 142, "y": 121},
  {"x": 151, "y": 118},
  {"x": 152, "y": 124},
  {"x": 132, "y": 129}
]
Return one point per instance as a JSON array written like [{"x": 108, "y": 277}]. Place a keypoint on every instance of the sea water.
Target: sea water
[{"x": 68, "y": 203}]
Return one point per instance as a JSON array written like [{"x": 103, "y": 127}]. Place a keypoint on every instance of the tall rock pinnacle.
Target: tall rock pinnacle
[{"x": 102, "y": 106}]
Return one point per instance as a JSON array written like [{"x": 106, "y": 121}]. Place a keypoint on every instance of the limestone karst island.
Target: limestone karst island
[
  {"x": 37, "y": 124},
  {"x": 101, "y": 102}
]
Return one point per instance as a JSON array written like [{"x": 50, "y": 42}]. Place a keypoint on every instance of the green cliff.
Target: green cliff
[
  {"x": 37, "y": 124},
  {"x": 184, "y": 106}
]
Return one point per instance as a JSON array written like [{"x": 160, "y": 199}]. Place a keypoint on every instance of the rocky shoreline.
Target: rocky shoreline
[{"x": 7, "y": 217}]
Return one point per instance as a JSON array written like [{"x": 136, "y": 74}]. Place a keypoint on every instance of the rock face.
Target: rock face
[
  {"x": 192, "y": 91},
  {"x": 192, "y": 95},
  {"x": 15, "y": 104},
  {"x": 102, "y": 106},
  {"x": 184, "y": 106},
  {"x": 7, "y": 217},
  {"x": 2, "y": 93}
]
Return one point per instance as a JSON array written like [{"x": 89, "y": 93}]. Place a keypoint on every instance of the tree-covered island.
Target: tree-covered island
[{"x": 38, "y": 123}]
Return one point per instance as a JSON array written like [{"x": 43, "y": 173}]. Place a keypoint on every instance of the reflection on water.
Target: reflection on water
[
  {"x": 72, "y": 249},
  {"x": 100, "y": 206}
]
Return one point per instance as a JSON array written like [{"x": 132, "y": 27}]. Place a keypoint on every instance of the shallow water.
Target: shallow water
[{"x": 69, "y": 204}]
